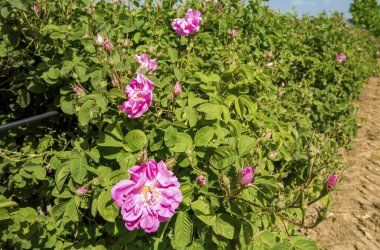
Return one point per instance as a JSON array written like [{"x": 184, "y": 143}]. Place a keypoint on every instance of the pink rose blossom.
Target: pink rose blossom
[
  {"x": 81, "y": 191},
  {"x": 340, "y": 57},
  {"x": 189, "y": 24},
  {"x": 35, "y": 8},
  {"x": 177, "y": 88},
  {"x": 331, "y": 181},
  {"x": 149, "y": 197},
  {"x": 245, "y": 176},
  {"x": 146, "y": 63},
  {"x": 140, "y": 94},
  {"x": 107, "y": 44},
  {"x": 201, "y": 180},
  {"x": 233, "y": 33}
]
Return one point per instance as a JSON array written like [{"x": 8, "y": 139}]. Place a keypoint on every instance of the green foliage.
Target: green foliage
[
  {"x": 366, "y": 14},
  {"x": 288, "y": 121}
]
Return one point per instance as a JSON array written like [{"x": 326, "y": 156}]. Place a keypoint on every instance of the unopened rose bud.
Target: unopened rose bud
[
  {"x": 99, "y": 41},
  {"x": 95, "y": 182},
  {"x": 79, "y": 90},
  {"x": 142, "y": 156},
  {"x": 115, "y": 81},
  {"x": 170, "y": 163},
  {"x": 233, "y": 33},
  {"x": 127, "y": 43},
  {"x": 201, "y": 180},
  {"x": 107, "y": 44},
  {"x": 91, "y": 10},
  {"x": 245, "y": 176},
  {"x": 270, "y": 53},
  {"x": 331, "y": 181},
  {"x": 177, "y": 88},
  {"x": 81, "y": 191},
  {"x": 219, "y": 8},
  {"x": 48, "y": 208},
  {"x": 49, "y": 170},
  {"x": 273, "y": 155}
]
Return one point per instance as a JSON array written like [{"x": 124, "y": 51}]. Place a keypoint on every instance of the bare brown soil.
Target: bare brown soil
[{"x": 354, "y": 222}]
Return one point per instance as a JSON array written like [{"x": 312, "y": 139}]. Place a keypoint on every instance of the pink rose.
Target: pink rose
[
  {"x": 140, "y": 94},
  {"x": 246, "y": 176},
  {"x": 146, "y": 63},
  {"x": 189, "y": 24},
  {"x": 99, "y": 40},
  {"x": 149, "y": 197},
  {"x": 79, "y": 90},
  {"x": 35, "y": 8},
  {"x": 340, "y": 57}
]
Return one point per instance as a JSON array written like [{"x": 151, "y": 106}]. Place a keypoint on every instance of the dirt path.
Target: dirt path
[{"x": 354, "y": 222}]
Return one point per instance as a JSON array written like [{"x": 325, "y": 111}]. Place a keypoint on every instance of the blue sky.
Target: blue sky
[{"x": 312, "y": 6}]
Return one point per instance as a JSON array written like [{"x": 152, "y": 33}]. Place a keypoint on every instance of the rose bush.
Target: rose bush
[{"x": 231, "y": 86}]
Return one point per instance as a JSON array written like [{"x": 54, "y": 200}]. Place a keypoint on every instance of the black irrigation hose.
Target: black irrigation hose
[{"x": 21, "y": 122}]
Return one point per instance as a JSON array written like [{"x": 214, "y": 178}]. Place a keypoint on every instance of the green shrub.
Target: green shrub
[
  {"x": 366, "y": 14},
  {"x": 274, "y": 97}
]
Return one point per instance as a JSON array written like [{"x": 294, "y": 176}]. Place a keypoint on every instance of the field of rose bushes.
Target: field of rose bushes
[{"x": 182, "y": 125}]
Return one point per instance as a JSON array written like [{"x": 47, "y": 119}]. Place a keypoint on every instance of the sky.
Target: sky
[{"x": 312, "y": 6}]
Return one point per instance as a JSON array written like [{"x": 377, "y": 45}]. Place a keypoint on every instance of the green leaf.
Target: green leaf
[
  {"x": 61, "y": 175},
  {"x": 246, "y": 145},
  {"x": 78, "y": 167},
  {"x": 225, "y": 226},
  {"x": 58, "y": 210},
  {"x": 178, "y": 74},
  {"x": 224, "y": 157},
  {"x": 203, "y": 136},
  {"x": 204, "y": 212},
  {"x": 107, "y": 207},
  {"x": 85, "y": 112},
  {"x": 19, "y": 4},
  {"x": 136, "y": 140},
  {"x": 7, "y": 203},
  {"x": 301, "y": 243},
  {"x": 71, "y": 210},
  {"x": 283, "y": 246},
  {"x": 212, "y": 111},
  {"x": 183, "y": 230},
  {"x": 173, "y": 53},
  {"x": 67, "y": 104}
]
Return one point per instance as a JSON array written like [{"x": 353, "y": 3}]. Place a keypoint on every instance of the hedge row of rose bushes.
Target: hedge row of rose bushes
[{"x": 205, "y": 124}]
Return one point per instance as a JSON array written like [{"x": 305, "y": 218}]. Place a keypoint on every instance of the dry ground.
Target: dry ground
[{"x": 354, "y": 222}]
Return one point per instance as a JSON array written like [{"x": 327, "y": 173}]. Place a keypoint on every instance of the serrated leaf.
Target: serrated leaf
[
  {"x": 61, "y": 175},
  {"x": 85, "y": 112},
  {"x": 107, "y": 207},
  {"x": 203, "y": 136},
  {"x": 225, "y": 226},
  {"x": 183, "y": 230},
  {"x": 224, "y": 157},
  {"x": 204, "y": 212},
  {"x": 246, "y": 144},
  {"x": 78, "y": 167},
  {"x": 136, "y": 140}
]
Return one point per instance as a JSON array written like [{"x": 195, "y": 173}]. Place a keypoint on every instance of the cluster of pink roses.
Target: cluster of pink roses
[
  {"x": 140, "y": 90},
  {"x": 189, "y": 24},
  {"x": 149, "y": 197}
]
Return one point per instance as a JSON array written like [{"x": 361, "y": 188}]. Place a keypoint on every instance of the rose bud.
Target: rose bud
[
  {"x": 246, "y": 176},
  {"x": 177, "y": 88},
  {"x": 201, "y": 180},
  {"x": 331, "y": 181},
  {"x": 81, "y": 191}
]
